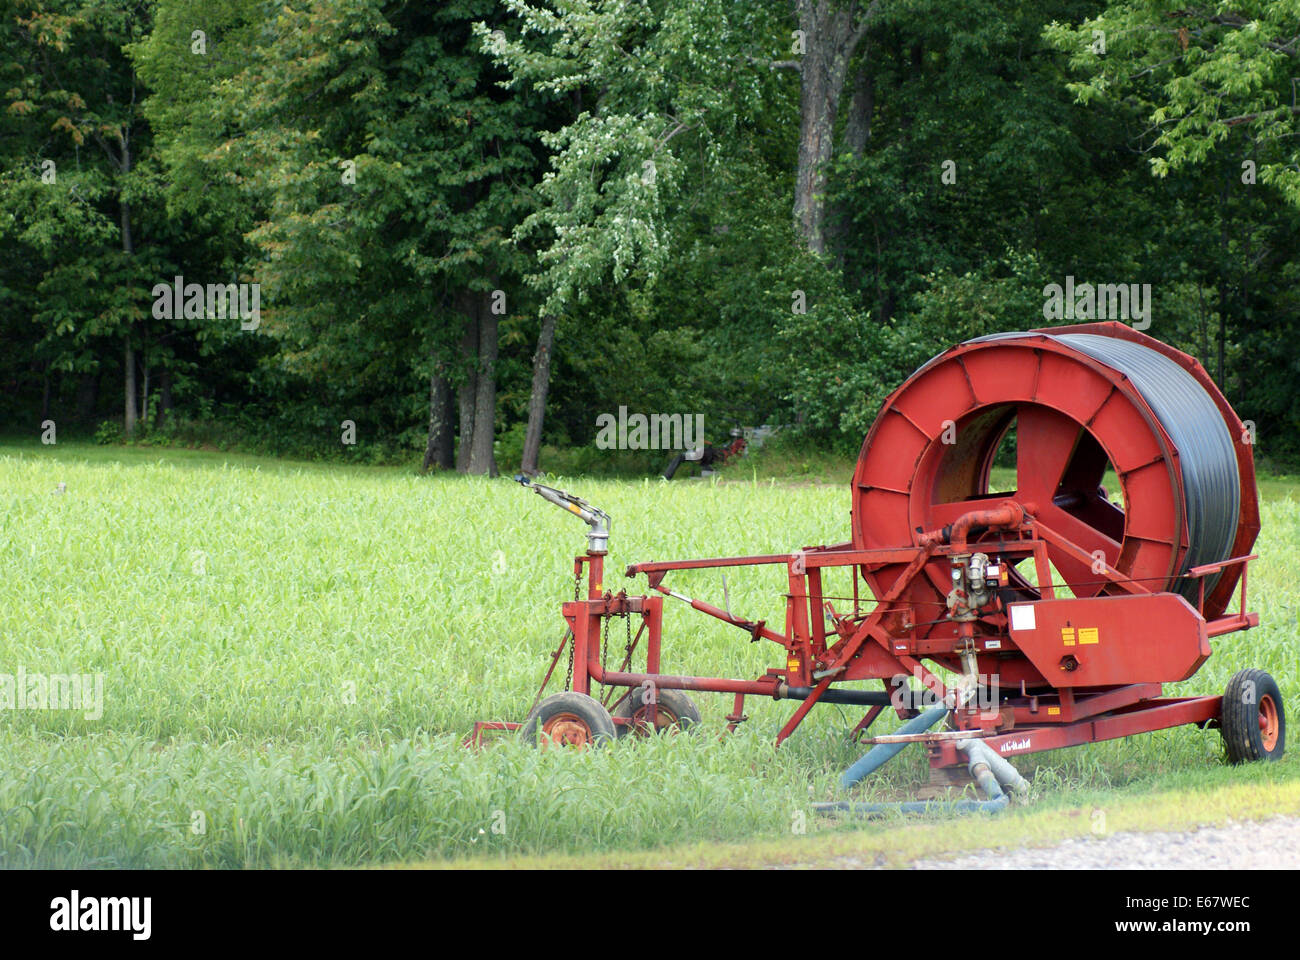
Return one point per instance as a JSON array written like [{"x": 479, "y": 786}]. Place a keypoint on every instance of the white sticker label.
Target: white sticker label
[
  {"x": 1022, "y": 617},
  {"x": 992, "y": 644}
]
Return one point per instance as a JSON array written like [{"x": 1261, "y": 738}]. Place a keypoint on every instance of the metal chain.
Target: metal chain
[
  {"x": 577, "y": 589},
  {"x": 604, "y": 657}
]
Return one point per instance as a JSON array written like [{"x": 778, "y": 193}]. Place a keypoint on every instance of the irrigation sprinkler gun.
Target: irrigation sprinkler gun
[
  {"x": 594, "y": 517},
  {"x": 1061, "y": 612}
]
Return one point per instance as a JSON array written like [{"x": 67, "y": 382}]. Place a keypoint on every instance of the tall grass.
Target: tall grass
[{"x": 291, "y": 655}]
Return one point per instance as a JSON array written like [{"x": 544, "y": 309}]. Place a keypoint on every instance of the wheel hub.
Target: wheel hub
[
  {"x": 567, "y": 729},
  {"x": 1268, "y": 723},
  {"x": 664, "y": 719}
]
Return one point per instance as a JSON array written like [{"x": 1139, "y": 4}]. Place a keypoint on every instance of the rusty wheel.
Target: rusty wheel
[
  {"x": 569, "y": 719},
  {"x": 1254, "y": 721},
  {"x": 676, "y": 711},
  {"x": 1269, "y": 722}
]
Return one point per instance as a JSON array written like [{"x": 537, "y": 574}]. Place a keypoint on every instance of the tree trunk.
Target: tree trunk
[
  {"x": 144, "y": 389},
  {"x": 164, "y": 396},
  {"x": 438, "y": 451},
  {"x": 537, "y": 398},
  {"x": 468, "y": 385},
  {"x": 128, "y": 247},
  {"x": 832, "y": 31},
  {"x": 482, "y": 458},
  {"x": 128, "y": 364}
]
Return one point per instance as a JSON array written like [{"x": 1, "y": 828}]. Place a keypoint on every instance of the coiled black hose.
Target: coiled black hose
[
  {"x": 1191, "y": 418},
  {"x": 1211, "y": 484}
]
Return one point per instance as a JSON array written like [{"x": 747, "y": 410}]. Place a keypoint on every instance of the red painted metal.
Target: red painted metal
[
  {"x": 1148, "y": 716},
  {"x": 481, "y": 727},
  {"x": 1268, "y": 721},
  {"x": 1070, "y": 666},
  {"x": 1248, "y": 514},
  {"x": 1072, "y": 415},
  {"x": 1096, "y": 641}
]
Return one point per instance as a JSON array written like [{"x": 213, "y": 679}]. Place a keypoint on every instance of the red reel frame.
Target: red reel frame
[{"x": 928, "y": 457}]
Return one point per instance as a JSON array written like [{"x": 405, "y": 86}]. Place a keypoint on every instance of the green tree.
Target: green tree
[
  {"x": 77, "y": 171},
  {"x": 377, "y": 170},
  {"x": 1209, "y": 77},
  {"x": 668, "y": 169},
  {"x": 1215, "y": 89}
]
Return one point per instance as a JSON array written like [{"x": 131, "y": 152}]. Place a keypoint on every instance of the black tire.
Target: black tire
[
  {"x": 568, "y": 719},
  {"x": 676, "y": 711},
  {"x": 1253, "y": 724}
]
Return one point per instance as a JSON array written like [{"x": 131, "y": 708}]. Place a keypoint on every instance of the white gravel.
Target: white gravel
[{"x": 1236, "y": 845}]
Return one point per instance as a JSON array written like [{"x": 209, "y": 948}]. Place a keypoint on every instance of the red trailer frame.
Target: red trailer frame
[
  {"x": 939, "y": 554},
  {"x": 838, "y": 647}
]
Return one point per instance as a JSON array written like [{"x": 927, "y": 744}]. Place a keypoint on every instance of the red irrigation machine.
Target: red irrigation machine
[{"x": 1056, "y": 608}]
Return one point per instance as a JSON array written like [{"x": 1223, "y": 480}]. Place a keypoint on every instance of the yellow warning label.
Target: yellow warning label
[
  {"x": 1067, "y": 636},
  {"x": 1053, "y": 711},
  {"x": 792, "y": 665},
  {"x": 1088, "y": 635}
]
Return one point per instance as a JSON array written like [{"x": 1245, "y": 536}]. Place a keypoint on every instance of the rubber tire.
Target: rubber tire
[
  {"x": 592, "y": 713},
  {"x": 675, "y": 702},
  {"x": 1239, "y": 725}
]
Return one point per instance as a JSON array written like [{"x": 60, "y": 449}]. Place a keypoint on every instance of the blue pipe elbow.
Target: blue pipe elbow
[{"x": 882, "y": 753}]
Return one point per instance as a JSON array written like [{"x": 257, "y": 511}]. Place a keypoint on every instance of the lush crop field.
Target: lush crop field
[{"x": 291, "y": 655}]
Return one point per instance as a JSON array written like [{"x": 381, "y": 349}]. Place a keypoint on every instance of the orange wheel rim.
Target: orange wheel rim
[
  {"x": 566, "y": 729},
  {"x": 1268, "y": 722},
  {"x": 663, "y": 721}
]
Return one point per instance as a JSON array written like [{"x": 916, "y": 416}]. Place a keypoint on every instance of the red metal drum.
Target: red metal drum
[{"x": 1076, "y": 410}]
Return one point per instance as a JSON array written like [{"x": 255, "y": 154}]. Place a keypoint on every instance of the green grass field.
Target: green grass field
[{"x": 292, "y": 654}]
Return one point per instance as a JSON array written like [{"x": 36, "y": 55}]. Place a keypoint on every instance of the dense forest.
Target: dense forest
[{"x": 455, "y": 233}]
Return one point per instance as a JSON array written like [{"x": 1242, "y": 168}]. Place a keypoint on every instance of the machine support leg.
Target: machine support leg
[
  {"x": 867, "y": 720},
  {"x": 804, "y": 707}
]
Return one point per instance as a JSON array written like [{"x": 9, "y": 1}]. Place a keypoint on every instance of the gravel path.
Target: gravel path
[{"x": 1236, "y": 845}]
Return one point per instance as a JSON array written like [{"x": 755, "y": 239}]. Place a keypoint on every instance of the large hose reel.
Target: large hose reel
[{"x": 1077, "y": 402}]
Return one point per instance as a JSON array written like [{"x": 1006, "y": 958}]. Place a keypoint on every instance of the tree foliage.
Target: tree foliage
[{"x": 414, "y": 187}]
